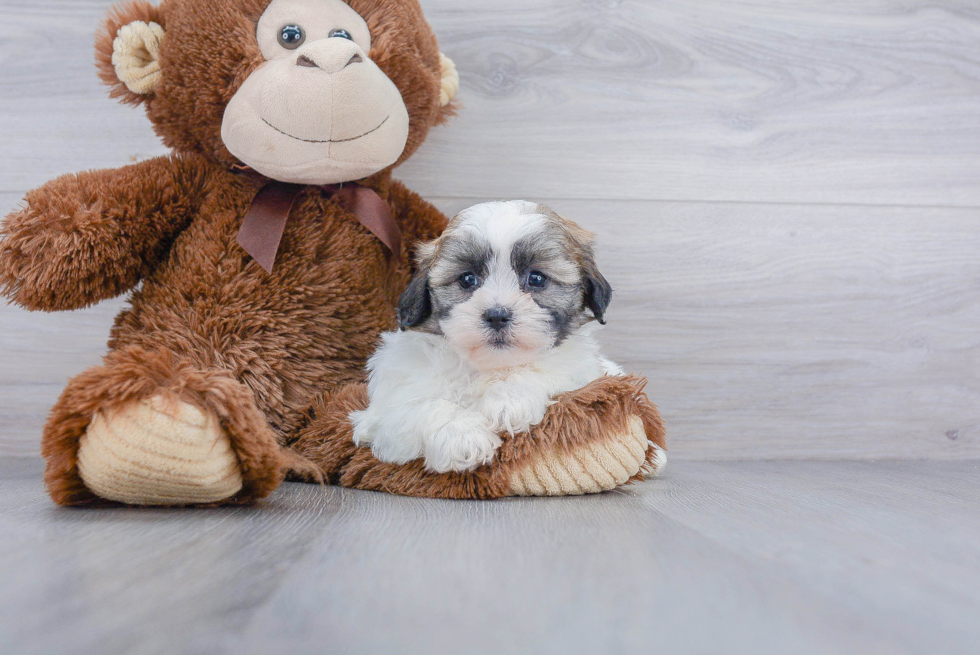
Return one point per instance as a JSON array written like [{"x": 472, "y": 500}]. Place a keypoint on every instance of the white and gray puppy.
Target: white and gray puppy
[{"x": 500, "y": 318}]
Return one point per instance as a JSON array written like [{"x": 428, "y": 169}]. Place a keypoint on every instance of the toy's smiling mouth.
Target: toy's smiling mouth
[{"x": 353, "y": 138}]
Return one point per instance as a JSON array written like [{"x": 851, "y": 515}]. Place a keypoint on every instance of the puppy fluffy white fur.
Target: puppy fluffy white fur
[
  {"x": 427, "y": 401},
  {"x": 499, "y": 320}
]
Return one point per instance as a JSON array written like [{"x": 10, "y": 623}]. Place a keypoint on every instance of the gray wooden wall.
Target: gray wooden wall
[{"x": 786, "y": 194}]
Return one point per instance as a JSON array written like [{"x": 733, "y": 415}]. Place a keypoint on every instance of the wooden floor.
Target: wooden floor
[
  {"x": 787, "y": 199},
  {"x": 785, "y": 193},
  {"x": 732, "y": 557}
]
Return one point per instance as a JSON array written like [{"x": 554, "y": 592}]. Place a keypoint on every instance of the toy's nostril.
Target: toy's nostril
[{"x": 307, "y": 62}]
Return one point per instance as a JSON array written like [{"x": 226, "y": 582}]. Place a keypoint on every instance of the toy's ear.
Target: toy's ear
[
  {"x": 449, "y": 88},
  {"x": 127, "y": 50},
  {"x": 450, "y": 80}
]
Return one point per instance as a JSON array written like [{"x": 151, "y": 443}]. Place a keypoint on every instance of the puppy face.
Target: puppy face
[{"x": 505, "y": 282}]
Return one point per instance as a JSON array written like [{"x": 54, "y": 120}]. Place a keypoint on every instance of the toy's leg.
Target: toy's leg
[
  {"x": 146, "y": 428},
  {"x": 327, "y": 441},
  {"x": 594, "y": 439},
  {"x": 621, "y": 456}
]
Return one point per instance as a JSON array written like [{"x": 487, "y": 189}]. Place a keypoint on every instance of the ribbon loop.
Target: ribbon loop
[{"x": 265, "y": 223}]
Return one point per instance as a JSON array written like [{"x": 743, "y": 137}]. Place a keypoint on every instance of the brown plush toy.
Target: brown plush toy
[{"x": 261, "y": 280}]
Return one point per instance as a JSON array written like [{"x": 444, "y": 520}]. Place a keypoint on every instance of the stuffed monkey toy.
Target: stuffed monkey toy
[{"x": 264, "y": 257}]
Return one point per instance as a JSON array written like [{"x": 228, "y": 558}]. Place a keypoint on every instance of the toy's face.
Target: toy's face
[
  {"x": 303, "y": 91},
  {"x": 319, "y": 110}
]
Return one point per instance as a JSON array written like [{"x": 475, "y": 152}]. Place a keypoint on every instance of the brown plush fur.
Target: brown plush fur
[
  {"x": 588, "y": 415},
  {"x": 207, "y": 324}
]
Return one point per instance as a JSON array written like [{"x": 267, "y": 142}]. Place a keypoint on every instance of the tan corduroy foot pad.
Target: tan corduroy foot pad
[
  {"x": 158, "y": 451},
  {"x": 586, "y": 469}
]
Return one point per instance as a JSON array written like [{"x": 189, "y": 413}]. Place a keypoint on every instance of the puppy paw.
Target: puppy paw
[
  {"x": 512, "y": 409},
  {"x": 390, "y": 442},
  {"x": 364, "y": 425},
  {"x": 463, "y": 444}
]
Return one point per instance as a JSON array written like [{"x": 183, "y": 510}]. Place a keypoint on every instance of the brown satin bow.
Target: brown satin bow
[{"x": 261, "y": 231}]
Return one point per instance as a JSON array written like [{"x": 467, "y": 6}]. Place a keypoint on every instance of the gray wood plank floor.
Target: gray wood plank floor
[
  {"x": 746, "y": 557},
  {"x": 823, "y": 304}
]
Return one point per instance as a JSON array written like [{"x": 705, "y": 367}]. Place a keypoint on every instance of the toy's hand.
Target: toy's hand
[
  {"x": 22, "y": 245},
  {"x": 84, "y": 238},
  {"x": 47, "y": 245}
]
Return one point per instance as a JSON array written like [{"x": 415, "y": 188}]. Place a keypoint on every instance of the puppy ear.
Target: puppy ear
[
  {"x": 127, "y": 51},
  {"x": 598, "y": 292},
  {"x": 415, "y": 305}
]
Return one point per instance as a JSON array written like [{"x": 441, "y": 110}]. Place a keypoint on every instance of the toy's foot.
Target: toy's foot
[
  {"x": 586, "y": 468},
  {"x": 148, "y": 428},
  {"x": 158, "y": 451}
]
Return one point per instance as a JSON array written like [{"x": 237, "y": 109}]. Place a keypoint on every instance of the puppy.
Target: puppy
[{"x": 500, "y": 318}]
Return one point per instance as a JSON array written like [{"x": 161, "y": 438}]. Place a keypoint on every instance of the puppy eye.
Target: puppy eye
[
  {"x": 291, "y": 37},
  {"x": 469, "y": 281},
  {"x": 341, "y": 34},
  {"x": 537, "y": 280}
]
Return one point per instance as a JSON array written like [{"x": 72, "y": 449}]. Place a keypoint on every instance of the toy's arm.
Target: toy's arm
[
  {"x": 84, "y": 238},
  {"x": 419, "y": 220}
]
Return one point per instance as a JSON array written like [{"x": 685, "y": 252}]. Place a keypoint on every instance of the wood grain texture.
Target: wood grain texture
[
  {"x": 873, "y": 101},
  {"x": 766, "y": 331},
  {"x": 763, "y": 557}
]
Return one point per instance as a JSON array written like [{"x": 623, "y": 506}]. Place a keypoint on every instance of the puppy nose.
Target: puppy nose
[
  {"x": 498, "y": 318},
  {"x": 331, "y": 57}
]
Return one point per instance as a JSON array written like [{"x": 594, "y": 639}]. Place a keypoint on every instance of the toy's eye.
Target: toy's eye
[
  {"x": 291, "y": 37},
  {"x": 537, "y": 280},
  {"x": 469, "y": 281},
  {"x": 341, "y": 34}
]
